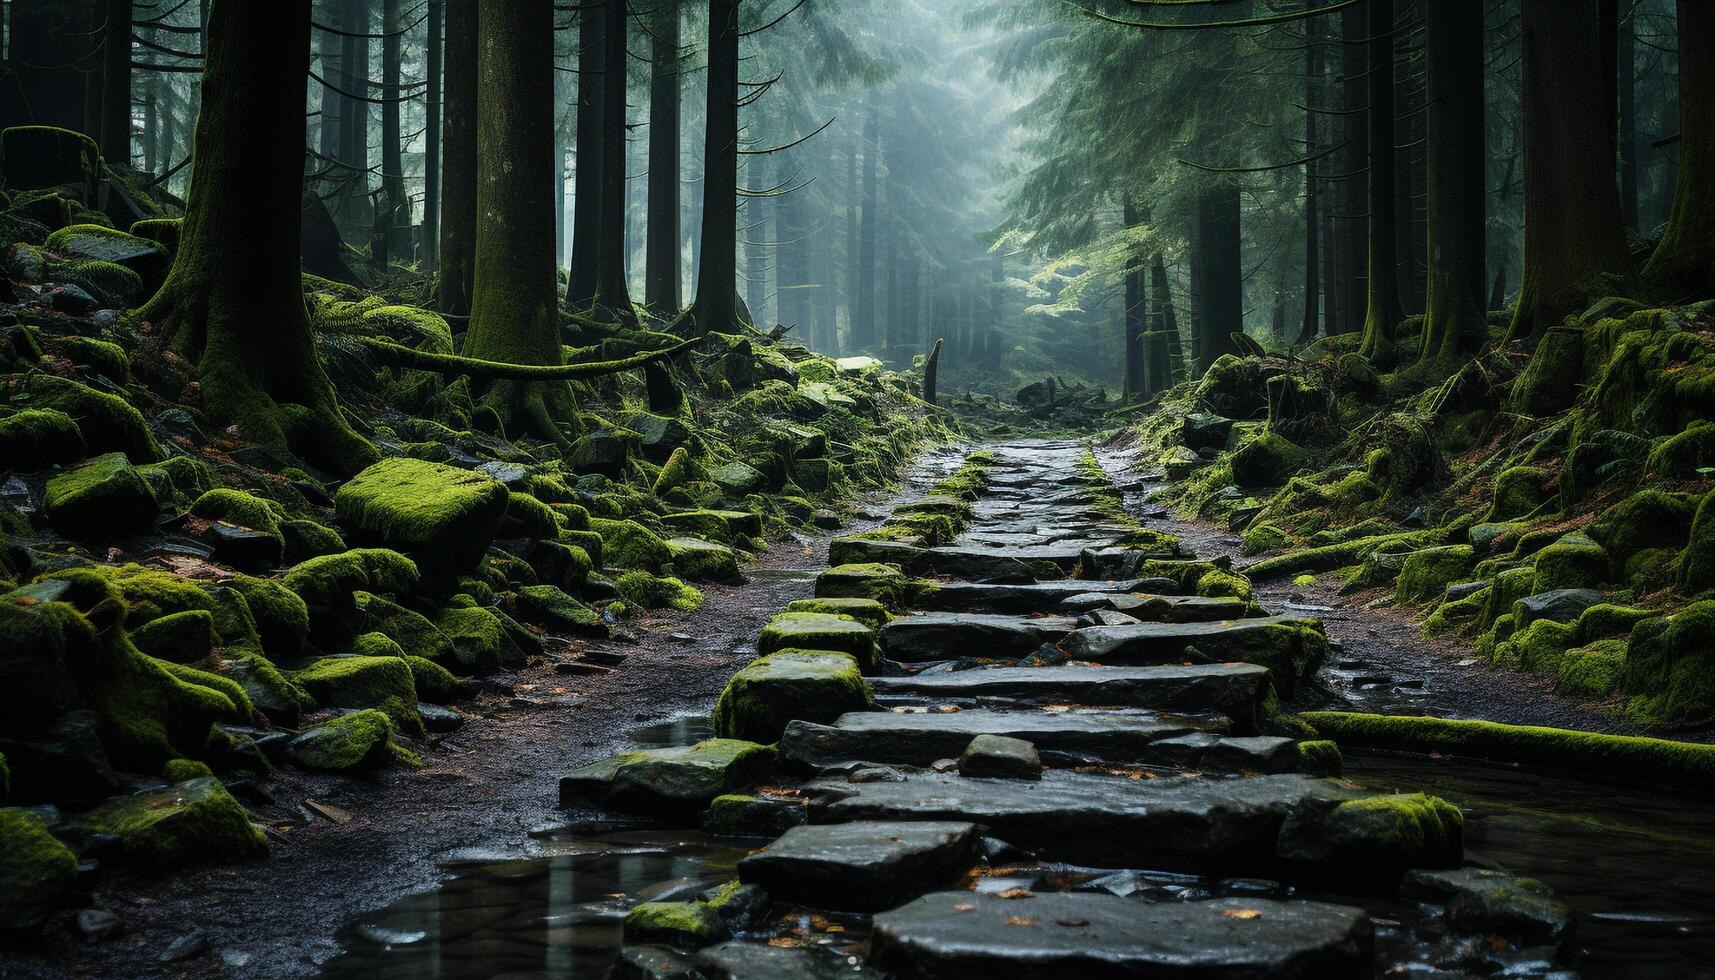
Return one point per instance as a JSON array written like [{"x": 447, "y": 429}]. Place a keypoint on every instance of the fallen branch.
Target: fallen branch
[{"x": 402, "y": 356}]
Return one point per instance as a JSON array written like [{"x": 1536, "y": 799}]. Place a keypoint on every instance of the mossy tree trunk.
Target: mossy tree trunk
[
  {"x": 584, "y": 278},
  {"x": 1453, "y": 321},
  {"x": 863, "y": 304},
  {"x": 1627, "y": 83},
  {"x": 932, "y": 372},
  {"x": 612, "y": 293},
  {"x": 233, "y": 304},
  {"x": 1382, "y": 307},
  {"x": 1350, "y": 228},
  {"x": 395, "y": 212},
  {"x": 716, "y": 307},
  {"x": 116, "y": 83},
  {"x": 431, "y": 233},
  {"x": 1574, "y": 245},
  {"x": 458, "y": 170},
  {"x": 1312, "y": 243},
  {"x": 1132, "y": 319},
  {"x": 515, "y": 307},
  {"x": 1219, "y": 304},
  {"x": 662, "y": 289},
  {"x": 1167, "y": 326},
  {"x": 1683, "y": 266}
]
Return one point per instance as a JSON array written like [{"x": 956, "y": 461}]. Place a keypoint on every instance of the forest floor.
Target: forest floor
[{"x": 484, "y": 788}]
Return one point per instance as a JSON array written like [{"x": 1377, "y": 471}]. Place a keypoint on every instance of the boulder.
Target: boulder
[
  {"x": 1000, "y": 757},
  {"x": 745, "y": 815},
  {"x": 364, "y": 682},
  {"x": 442, "y": 517},
  {"x": 885, "y": 584},
  {"x": 360, "y": 740},
  {"x": 684, "y": 924},
  {"x": 109, "y": 424},
  {"x": 103, "y": 498},
  {"x": 194, "y": 822},
  {"x": 551, "y": 608},
  {"x": 149, "y": 260},
  {"x": 866, "y": 611},
  {"x": 1493, "y": 903},
  {"x": 672, "y": 781},
  {"x": 1377, "y": 836},
  {"x": 788, "y": 685},
  {"x": 821, "y": 631},
  {"x": 737, "y": 478},
  {"x": 863, "y": 866},
  {"x": 37, "y": 873},
  {"x": 704, "y": 561},
  {"x": 37, "y": 438},
  {"x": 1555, "y": 606}
]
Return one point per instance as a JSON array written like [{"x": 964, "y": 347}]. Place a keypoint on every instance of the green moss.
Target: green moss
[
  {"x": 704, "y": 560},
  {"x": 1681, "y": 456},
  {"x": 687, "y": 924},
  {"x": 1267, "y": 460},
  {"x": 550, "y": 607},
  {"x": 282, "y": 616},
  {"x": 181, "y": 637},
  {"x": 37, "y": 438},
  {"x": 1319, "y": 757},
  {"x": 1518, "y": 491},
  {"x": 1220, "y": 583},
  {"x": 112, "y": 285},
  {"x": 307, "y": 539},
  {"x": 188, "y": 475},
  {"x": 327, "y": 584},
  {"x": 885, "y": 584},
  {"x": 109, "y": 424},
  {"x": 195, "y": 822},
  {"x": 1260, "y": 538},
  {"x": 1458, "y": 614},
  {"x": 1427, "y": 573},
  {"x": 480, "y": 641},
  {"x": 679, "y": 469},
  {"x": 240, "y": 508},
  {"x": 1670, "y": 667},
  {"x": 1697, "y": 564},
  {"x": 1592, "y": 671},
  {"x": 788, "y": 685},
  {"x": 442, "y": 517},
  {"x": 360, "y": 740},
  {"x": 867, "y": 611},
  {"x": 1329, "y": 557},
  {"x": 1377, "y": 835},
  {"x": 527, "y": 517},
  {"x": 1606, "y": 620},
  {"x": 180, "y": 770},
  {"x": 37, "y": 873},
  {"x": 821, "y": 631},
  {"x": 629, "y": 545},
  {"x": 647, "y": 591},
  {"x": 1573, "y": 562},
  {"x": 384, "y": 682},
  {"x": 1630, "y": 757},
  {"x": 415, "y": 634},
  {"x": 1539, "y": 646},
  {"x": 105, "y": 497},
  {"x": 146, "y": 259}
]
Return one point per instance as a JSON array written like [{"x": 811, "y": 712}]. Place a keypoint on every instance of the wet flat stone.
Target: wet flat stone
[
  {"x": 671, "y": 780},
  {"x": 1027, "y": 597},
  {"x": 1281, "y": 643},
  {"x": 1235, "y": 690},
  {"x": 755, "y": 961},
  {"x": 961, "y": 934},
  {"x": 943, "y": 636},
  {"x": 1159, "y": 608},
  {"x": 922, "y": 738},
  {"x": 1185, "y": 823},
  {"x": 970, "y": 563},
  {"x": 862, "y": 866},
  {"x": 1494, "y": 903}
]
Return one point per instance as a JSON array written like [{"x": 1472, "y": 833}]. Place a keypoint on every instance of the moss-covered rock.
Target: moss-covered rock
[
  {"x": 704, "y": 561},
  {"x": 383, "y": 682},
  {"x": 629, "y": 545},
  {"x": 554, "y": 610},
  {"x": 527, "y": 517},
  {"x": 1539, "y": 645},
  {"x": 737, "y": 478},
  {"x": 1319, "y": 757},
  {"x": 38, "y": 874},
  {"x": 1267, "y": 460},
  {"x": 646, "y": 591},
  {"x": 1376, "y": 835},
  {"x": 725, "y": 526},
  {"x": 328, "y": 585},
  {"x": 678, "y": 470},
  {"x": 480, "y": 641},
  {"x": 195, "y": 822},
  {"x": 1573, "y": 562},
  {"x": 281, "y": 616},
  {"x": 108, "y": 423},
  {"x": 442, "y": 517},
  {"x": 885, "y": 584},
  {"x": 415, "y": 634},
  {"x": 1670, "y": 667},
  {"x": 789, "y": 685},
  {"x": 149, "y": 260},
  {"x": 1518, "y": 491},
  {"x": 103, "y": 498},
  {"x": 748, "y": 815},
  {"x": 181, "y": 637},
  {"x": 37, "y": 438},
  {"x": 821, "y": 631},
  {"x": 1697, "y": 564},
  {"x": 867, "y": 611},
  {"x": 675, "y": 781},
  {"x": 685, "y": 924},
  {"x": 1592, "y": 671},
  {"x": 242, "y": 510},
  {"x": 360, "y": 740},
  {"x": 306, "y": 539},
  {"x": 1427, "y": 573}
]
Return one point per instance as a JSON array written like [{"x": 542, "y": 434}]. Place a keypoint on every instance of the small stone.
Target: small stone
[
  {"x": 192, "y": 943},
  {"x": 683, "y": 924},
  {"x": 98, "y": 925},
  {"x": 1000, "y": 757}
]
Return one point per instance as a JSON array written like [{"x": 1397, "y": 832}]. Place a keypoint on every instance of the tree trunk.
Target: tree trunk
[
  {"x": 233, "y": 303},
  {"x": 1131, "y": 322},
  {"x": 755, "y": 235},
  {"x": 55, "y": 33},
  {"x": 1382, "y": 309},
  {"x": 931, "y": 368},
  {"x": 1220, "y": 288},
  {"x": 613, "y": 294},
  {"x": 662, "y": 290},
  {"x": 863, "y": 308},
  {"x": 584, "y": 279},
  {"x": 458, "y": 197},
  {"x": 330, "y": 49},
  {"x": 1453, "y": 322},
  {"x": 431, "y": 234},
  {"x": 717, "y": 276},
  {"x": 116, "y": 84},
  {"x": 1351, "y": 230},
  {"x": 792, "y": 268},
  {"x": 1574, "y": 246},
  {"x": 852, "y": 195},
  {"x": 1628, "y": 119},
  {"x": 515, "y": 312},
  {"x": 1683, "y": 265},
  {"x": 1312, "y": 244},
  {"x": 1168, "y": 325},
  {"x": 1608, "y": 40},
  {"x": 394, "y": 211}
]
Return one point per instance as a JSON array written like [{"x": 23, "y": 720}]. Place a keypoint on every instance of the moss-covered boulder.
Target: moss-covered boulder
[
  {"x": 867, "y": 611},
  {"x": 103, "y": 498},
  {"x": 689, "y": 925},
  {"x": 306, "y": 539},
  {"x": 1697, "y": 564},
  {"x": 1538, "y": 646},
  {"x": 704, "y": 561},
  {"x": 1670, "y": 667},
  {"x": 1592, "y": 671},
  {"x": 1267, "y": 460},
  {"x": 1427, "y": 573},
  {"x": 264, "y": 545},
  {"x": 442, "y": 517},
  {"x": 480, "y": 641},
  {"x": 182, "y": 637},
  {"x": 328, "y": 586},
  {"x": 821, "y": 631},
  {"x": 678, "y": 470},
  {"x": 753, "y": 815},
  {"x": 1519, "y": 491},
  {"x": 1376, "y": 836},
  {"x": 725, "y": 526},
  {"x": 737, "y": 478},
  {"x": 383, "y": 682},
  {"x": 628, "y": 544},
  {"x": 1573, "y": 562},
  {"x": 885, "y": 584},
  {"x": 789, "y": 685},
  {"x": 358, "y": 741},
  {"x": 674, "y": 781},
  {"x": 195, "y": 822},
  {"x": 606, "y": 450},
  {"x": 38, "y": 874},
  {"x": 658, "y": 435},
  {"x": 37, "y": 438},
  {"x": 149, "y": 260},
  {"x": 551, "y": 608},
  {"x": 646, "y": 591},
  {"x": 109, "y": 424}
]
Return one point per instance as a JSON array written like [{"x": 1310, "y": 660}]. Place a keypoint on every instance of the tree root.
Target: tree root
[{"x": 471, "y": 367}]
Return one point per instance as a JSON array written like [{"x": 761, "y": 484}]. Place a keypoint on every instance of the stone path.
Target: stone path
[{"x": 1017, "y": 622}]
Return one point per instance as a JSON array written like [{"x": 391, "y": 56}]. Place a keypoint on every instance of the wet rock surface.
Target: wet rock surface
[{"x": 863, "y": 865}]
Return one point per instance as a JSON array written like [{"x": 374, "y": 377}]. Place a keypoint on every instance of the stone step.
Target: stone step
[
  {"x": 947, "y": 636},
  {"x": 1291, "y": 647},
  {"x": 1069, "y": 934},
  {"x": 1159, "y": 608},
  {"x": 1183, "y": 823},
  {"x": 863, "y": 866},
  {"x": 1235, "y": 690},
  {"x": 968, "y": 563},
  {"x": 921, "y": 738},
  {"x": 1023, "y": 597},
  {"x": 671, "y": 781}
]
